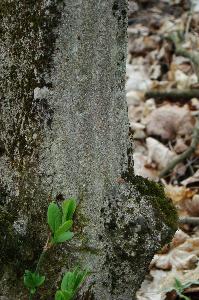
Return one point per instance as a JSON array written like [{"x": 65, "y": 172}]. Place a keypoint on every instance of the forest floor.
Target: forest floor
[{"x": 163, "y": 104}]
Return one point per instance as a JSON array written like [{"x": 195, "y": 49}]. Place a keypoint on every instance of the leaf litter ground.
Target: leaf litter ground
[{"x": 163, "y": 106}]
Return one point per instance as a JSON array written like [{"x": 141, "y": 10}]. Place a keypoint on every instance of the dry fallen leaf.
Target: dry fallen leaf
[
  {"x": 152, "y": 289},
  {"x": 184, "y": 81},
  {"x": 141, "y": 168},
  {"x": 158, "y": 153},
  {"x": 143, "y": 44},
  {"x": 149, "y": 106},
  {"x": 191, "y": 245},
  {"x": 164, "y": 280},
  {"x": 180, "y": 146},
  {"x": 179, "y": 238},
  {"x": 195, "y": 103},
  {"x": 132, "y": 8},
  {"x": 154, "y": 65},
  {"x": 185, "y": 199},
  {"x": 138, "y": 129},
  {"x": 169, "y": 121},
  {"x": 176, "y": 258},
  {"x": 135, "y": 113},
  {"x": 134, "y": 97},
  {"x": 178, "y": 194},
  {"x": 192, "y": 206},
  {"x": 138, "y": 79},
  {"x": 192, "y": 181},
  {"x": 184, "y": 256},
  {"x": 155, "y": 71}
]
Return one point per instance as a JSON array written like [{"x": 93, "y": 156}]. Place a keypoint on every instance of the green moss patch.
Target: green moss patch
[{"x": 155, "y": 193}]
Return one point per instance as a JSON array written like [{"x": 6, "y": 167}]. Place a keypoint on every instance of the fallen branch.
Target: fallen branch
[
  {"x": 184, "y": 155},
  {"x": 189, "y": 220},
  {"x": 173, "y": 95},
  {"x": 187, "y": 28},
  {"x": 177, "y": 39}
]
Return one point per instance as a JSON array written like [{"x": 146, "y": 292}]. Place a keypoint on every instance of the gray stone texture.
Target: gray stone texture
[{"x": 64, "y": 133}]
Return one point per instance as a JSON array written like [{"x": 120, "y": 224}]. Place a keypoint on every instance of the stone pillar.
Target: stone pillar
[{"x": 64, "y": 133}]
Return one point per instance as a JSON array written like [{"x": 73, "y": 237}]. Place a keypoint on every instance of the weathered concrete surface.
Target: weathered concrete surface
[{"x": 64, "y": 132}]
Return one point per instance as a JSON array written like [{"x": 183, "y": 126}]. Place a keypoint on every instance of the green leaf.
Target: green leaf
[
  {"x": 28, "y": 280},
  {"x": 168, "y": 290},
  {"x": 33, "y": 291},
  {"x": 68, "y": 295},
  {"x": 68, "y": 281},
  {"x": 33, "y": 280},
  {"x": 190, "y": 283},
  {"x": 39, "y": 280},
  {"x": 178, "y": 285},
  {"x": 64, "y": 295},
  {"x": 73, "y": 280},
  {"x": 64, "y": 227},
  {"x": 68, "y": 209},
  {"x": 63, "y": 237},
  {"x": 80, "y": 276},
  {"x": 59, "y": 295},
  {"x": 182, "y": 296},
  {"x": 54, "y": 217}
]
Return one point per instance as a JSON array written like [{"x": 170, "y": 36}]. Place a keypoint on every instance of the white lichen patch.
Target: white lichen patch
[
  {"x": 20, "y": 226},
  {"x": 41, "y": 93}
]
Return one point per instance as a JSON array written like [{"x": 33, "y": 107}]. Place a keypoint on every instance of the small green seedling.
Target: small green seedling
[
  {"x": 60, "y": 221},
  {"x": 32, "y": 281},
  {"x": 70, "y": 284},
  {"x": 179, "y": 287}
]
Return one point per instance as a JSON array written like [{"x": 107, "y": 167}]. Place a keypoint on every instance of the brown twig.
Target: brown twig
[
  {"x": 173, "y": 95},
  {"x": 189, "y": 220}
]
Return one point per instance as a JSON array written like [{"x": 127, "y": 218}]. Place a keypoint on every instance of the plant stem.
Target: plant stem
[
  {"x": 42, "y": 255},
  {"x": 40, "y": 261},
  {"x": 41, "y": 258}
]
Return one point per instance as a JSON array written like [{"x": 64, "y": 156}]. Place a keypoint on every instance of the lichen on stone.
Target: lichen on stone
[{"x": 156, "y": 194}]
